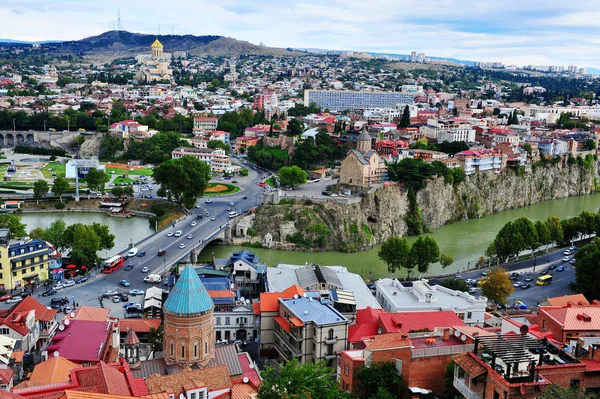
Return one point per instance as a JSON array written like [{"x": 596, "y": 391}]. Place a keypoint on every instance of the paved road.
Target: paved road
[
  {"x": 536, "y": 294},
  {"x": 88, "y": 292}
]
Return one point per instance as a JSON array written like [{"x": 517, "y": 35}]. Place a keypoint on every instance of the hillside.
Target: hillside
[{"x": 115, "y": 44}]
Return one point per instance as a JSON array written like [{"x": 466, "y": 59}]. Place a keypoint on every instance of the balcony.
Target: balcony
[
  {"x": 287, "y": 349},
  {"x": 332, "y": 340},
  {"x": 330, "y": 356},
  {"x": 459, "y": 384}
]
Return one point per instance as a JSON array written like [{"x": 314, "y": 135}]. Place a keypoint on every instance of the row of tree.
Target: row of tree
[
  {"x": 414, "y": 172},
  {"x": 397, "y": 253},
  {"x": 523, "y": 234}
]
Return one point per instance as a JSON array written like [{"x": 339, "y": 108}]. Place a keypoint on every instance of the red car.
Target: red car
[{"x": 5, "y": 297}]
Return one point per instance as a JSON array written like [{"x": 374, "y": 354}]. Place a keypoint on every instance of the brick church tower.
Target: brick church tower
[{"x": 189, "y": 331}]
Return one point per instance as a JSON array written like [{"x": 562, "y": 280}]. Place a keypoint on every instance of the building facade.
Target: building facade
[
  {"x": 24, "y": 263},
  {"x": 339, "y": 100},
  {"x": 216, "y": 158},
  {"x": 155, "y": 68},
  {"x": 205, "y": 124}
]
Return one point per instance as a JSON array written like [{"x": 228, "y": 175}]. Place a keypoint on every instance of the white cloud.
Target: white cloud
[{"x": 512, "y": 31}]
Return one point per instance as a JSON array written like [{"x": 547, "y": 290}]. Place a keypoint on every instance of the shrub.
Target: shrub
[{"x": 59, "y": 205}]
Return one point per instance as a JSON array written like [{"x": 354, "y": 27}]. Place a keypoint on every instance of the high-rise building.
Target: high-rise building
[
  {"x": 421, "y": 57},
  {"x": 413, "y": 56},
  {"x": 338, "y": 100}
]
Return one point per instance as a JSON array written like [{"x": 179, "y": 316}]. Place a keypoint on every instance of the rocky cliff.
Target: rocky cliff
[{"x": 381, "y": 214}]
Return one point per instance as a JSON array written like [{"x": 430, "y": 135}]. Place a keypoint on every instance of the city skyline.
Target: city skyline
[{"x": 513, "y": 32}]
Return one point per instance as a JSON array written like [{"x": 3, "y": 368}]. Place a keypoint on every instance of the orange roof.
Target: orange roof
[
  {"x": 221, "y": 294},
  {"x": 139, "y": 325},
  {"x": 581, "y": 318},
  {"x": 296, "y": 322},
  {"x": 283, "y": 323},
  {"x": 243, "y": 391},
  {"x": 18, "y": 356},
  {"x": 90, "y": 313},
  {"x": 269, "y": 300},
  {"x": 256, "y": 307},
  {"x": 215, "y": 378},
  {"x": 388, "y": 341},
  {"x": 53, "y": 370},
  {"x": 91, "y": 395},
  {"x": 564, "y": 300}
]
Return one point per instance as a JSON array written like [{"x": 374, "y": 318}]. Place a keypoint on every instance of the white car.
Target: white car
[
  {"x": 193, "y": 224},
  {"x": 190, "y": 236},
  {"x": 132, "y": 252},
  {"x": 145, "y": 269},
  {"x": 231, "y": 203},
  {"x": 15, "y": 299},
  {"x": 69, "y": 283},
  {"x": 170, "y": 234},
  {"x": 333, "y": 195},
  {"x": 567, "y": 252},
  {"x": 58, "y": 286},
  {"x": 178, "y": 233},
  {"x": 208, "y": 201},
  {"x": 566, "y": 259},
  {"x": 517, "y": 284},
  {"x": 150, "y": 187},
  {"x": 181, "y": 246},
  {"x": 213, "y": 218}
]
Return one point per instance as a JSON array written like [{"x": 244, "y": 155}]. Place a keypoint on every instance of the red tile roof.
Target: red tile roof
[
  {"x": 14, "y": 318},
  {"x": 580, "y": 318},
  {"x": 414, "y": 321},
  {"x": 578, "y": 299},
  {"x": 139, "y": 325},
  {"x": 82, "y": 341},
  {"x": 269, "y": 300},
  {"x": 283, "y": 323}
]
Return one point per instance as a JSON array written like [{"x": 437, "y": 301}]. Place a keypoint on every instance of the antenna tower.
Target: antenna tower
[{"x": 119, "y": 20}]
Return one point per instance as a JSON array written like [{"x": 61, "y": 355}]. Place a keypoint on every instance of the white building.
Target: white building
[
  {"x": 218, "y": 160},
  {"x": 419, "y": 296},
  {"x": 205, "y": 124},
  {"x": 84, "y": 166}
]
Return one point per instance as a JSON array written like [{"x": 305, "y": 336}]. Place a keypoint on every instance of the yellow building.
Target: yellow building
[
  {"x": 23, "y": 263},
  {"x": 155, "y": 68}
]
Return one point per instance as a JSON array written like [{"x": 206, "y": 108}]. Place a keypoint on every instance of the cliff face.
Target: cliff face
[{"x": 355, "y": 227}]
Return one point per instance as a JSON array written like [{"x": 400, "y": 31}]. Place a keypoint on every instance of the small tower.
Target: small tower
[
  {"x": 188, "y": 325},
  {"x": 132, "y": 348},
  {"x": 363, "y": 142},
  {"x": 157, "y": 49}
]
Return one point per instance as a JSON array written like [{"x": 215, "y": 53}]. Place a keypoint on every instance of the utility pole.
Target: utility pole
[
  {"x": 14, "y": 125},
  {"x": 44, "y": 126}
]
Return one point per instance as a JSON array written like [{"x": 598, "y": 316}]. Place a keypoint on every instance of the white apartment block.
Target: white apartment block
[
  {"x": 216, "y": 158},
  {"x": 340, "y": 100}
]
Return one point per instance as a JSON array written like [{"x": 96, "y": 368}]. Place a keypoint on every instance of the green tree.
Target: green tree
[
  {"x": 457, "y": 284},
  {"x": 379, "y": 380},
  {"x": 306, "y": 153},
  {"x": 395, "y": 253},
  {"x": 450, "y": 391},
  {"x": 412, "y": 172},
  {"x": 424, "y": 252},
  {"x": 587, "y": 272},
  {"x": 96, "y": 180},
  {"x": 295, "y": 127},
  {"x": 37, "y": 234},
  {"x": 558, "y": 392},
  {"x": 446, "y": 260},
  {"x": 60, "y": 186},
  {"x": 543, "y": 233},
  {"x": 219, "y": 144},
  {"x": 405, "y": 120},
  {"x": 497, "y": 287},
  {"x": 155, "y": 338},
  {"x": 292, "y": 176},
  {"x": 527, "y": 148},
  {"x": 527, "y": 231},
  {"x": 13, "y": 223},
  {"x": 555, "y": 227},
  {"x": 107, "y": 239},
  {"x": 84, "y": 244},
  {"x": 244, "y": 172},
  {"x": 293, "y": 380},
  {"x": 55, "y": 234},
  {"x": 40, "y": 188},
  {"x": 183, "y": 179},
  {"x": 508, "y": 241}
]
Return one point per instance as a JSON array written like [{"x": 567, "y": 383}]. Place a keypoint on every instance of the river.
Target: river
[
  {"x": 126, "y": 230},
  {"x": 466, "y": 241}
]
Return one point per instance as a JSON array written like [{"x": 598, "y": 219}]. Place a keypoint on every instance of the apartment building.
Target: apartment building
[
  {"x": 419, "y": 296},
  {"x": 482, "y": 161},
  {"x": 448, "y": 130},
  {"x": 218, "y": 160},
  {"x": 339, "y": 100},
  {"x": 23, "y": 263},
  {"x": 310, "y": 331},
  {"x": 30, "y": 323},
  {"x": 205, "y": 124}
]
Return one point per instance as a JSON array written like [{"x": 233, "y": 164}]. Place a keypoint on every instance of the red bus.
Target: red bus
[{"x": 112, "y": 264}]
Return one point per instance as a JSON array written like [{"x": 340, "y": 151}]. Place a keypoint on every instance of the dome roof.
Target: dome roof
[
  {"x": 157, "y": 44},
  {"x": 189, "y": 296},
  {"x": 364, "y": 136}
]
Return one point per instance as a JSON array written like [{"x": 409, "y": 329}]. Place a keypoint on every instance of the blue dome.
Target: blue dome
[{"x": 189, "y": 296}]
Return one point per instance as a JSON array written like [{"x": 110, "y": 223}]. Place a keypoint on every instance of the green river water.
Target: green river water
[{"x": 466, "y": 241}]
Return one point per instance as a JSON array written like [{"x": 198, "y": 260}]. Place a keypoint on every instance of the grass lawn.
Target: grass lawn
[
  {"x": 59, "y": 169},
  {"x": 137, "y": 172},
  {"x": 121, "y": 180},
  {"x": 270, "y": 181},
  {"x": 215, "y": 189}
]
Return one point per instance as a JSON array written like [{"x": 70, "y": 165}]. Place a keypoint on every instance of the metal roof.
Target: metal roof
[
  {"x": 312, "y": 311},
  {"x": 189, "y": 296}
]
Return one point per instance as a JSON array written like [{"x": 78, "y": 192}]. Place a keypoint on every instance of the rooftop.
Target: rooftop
[
  {"x": 188, "y": 297},
  {"x": 582, "y": 318},
  {"x": 313, "y": 311},
  {"x": 53, "y": 370},
  {"x": 81, "y": 341}
]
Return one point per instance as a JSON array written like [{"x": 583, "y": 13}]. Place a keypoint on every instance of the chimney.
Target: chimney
[{"x": 446, "y": 336}]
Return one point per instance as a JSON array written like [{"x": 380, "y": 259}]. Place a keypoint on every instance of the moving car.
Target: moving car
[
  {"x": 566, "y": 259},
  {"x": 517, "y": 284},
  {"x": 81, "y": 280},
  {"x": 129, "y": 266},
  {"x": 561, "y": 268},
  {"x": 207, "y": 213},
  {"x": 145, "y": 269},
  {"x": 213, "y": 218},
  {"x": 199, "y": 217},
  {"x": 124, "y": 283},
  {"x": 485, "y": 272},
  {"x": 170, "y": 234},
  {"x": 142, "y": 253},
  {"x": 245, "y": 197},
  {"x": 178, "y": 233},
  {"x": 193, "y": 223},
  {"x": 231, "y": 204},
  {"x": 208, "y": 201},
  {"x": 153, "y": 278},
  {"x": 525, "y": 286},
  {"x": 132, "y": 252},
  {"x": 7, "y": 297},
  {"x": 135, "y": 292},
  {"x": 161, "y": 252},
  {"x": 181, "y": 246},
  {"x": 47, "y": 293},
  {"x": 190, "y": 236},
  {"x": 528, "y": 278}
]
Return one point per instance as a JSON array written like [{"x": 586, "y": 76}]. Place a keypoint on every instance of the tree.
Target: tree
[
  {"x": 83, "y": 242},
  {"x": 40, "y": 188},
  {"x": 527, "y": 148},
  {"x": 405, "y": 120},
  {"x": 527, "y": 231},
  {"x": 183, "y": 179},
  {"x": 96, "y": 179},
  {"x": 155, "y": 338},
  {"x": 450, "y": 391},
  {"x": 543, "y": 233},
  {"x": 107, "y": 239},
  {"x": 306, "y": 153},
  {"x": 55, "y": 234},
  {"x": 395, "y": 253},
  {"x": 244, "y": 172},
  {"x": 60, "y": 186},
  {"x": 293, "y": 380},
  {"x": 587, "y": 272},
  {"x": 457, "y": 284},
  {"x": 446, "y": 260},
  {"x": 219, "y": 144},
  {"x": 508, "y": 241},
  {"x": 37, "y": 234},
  {"x": 555, "y": 227},
  {"x": 295, "y": 127},
  {"x": 13, "y": 223},
  {"x": 497, "y": 287},
  {"x": 292, "y": 176},
  {"x": 424, "y": 252},
  {"x": 379, "y": 380},
  {"x": 558, "y": 392}
]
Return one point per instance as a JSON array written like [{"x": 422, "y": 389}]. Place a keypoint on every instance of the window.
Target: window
[
  {"x": 218, "y": 321},
  {"x": 193, "y": 395},
  {"x": 195, "y": 349},
  {"x": 346, "y": 369},
  {"x": 330, "y": 349},
  {"x": 172, "y": 348},
  {"x": 205, "y": 347},
  {"x": 227, "y": 321},
  {"x": 469, "y": 315},
  {"x": 182, "y": 351},
  {"x": 496, "y": 395},
  {"x": 330, "y": 333},
  {"x": 398, "y": 366},
  {"x": 4, "y": 331},
  {"x": 32, "y": 268}
]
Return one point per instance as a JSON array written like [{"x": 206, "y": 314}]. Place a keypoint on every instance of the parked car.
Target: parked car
[
  {"x": 207, "y": 214},
  {"x": 485, "y": 272},
  {"x": 125, "y": 305},
  {"x": 133, "y": 315},
  {"x": 528, "y": 278},
  {"x": 46, "y": 293},
  {"x": 141, "y": 253},
  {"x": 6, "y": 297},
  {"x": 129, "y": 266},
  {"x": 69, "y": 283},
  {"x": 572, "y": 261},
  {"x": 245, "y": 197},
  {"x": 567, "y": 252},
  {"x": 231, "y": 204},
  {"x": 109, "y": 293},
  {"x": 519, "y": 305},
  {"x": 124, "y": 283},
  {"x": 124, "y": 296},
  {"x": 566, "y": 259},
  {"x": 134, "y": 306},
  {"x": 525, "y": 286},
  {"x": 68, "y": 309},
  {"x": 213, "y": 218},
  {"x": 517, "y": 284},
  {"x": 58, "y": 286},
  {"x": 170, "y": 234},
  {"x": 116, "y": 299},
  {"x": 572, "y": 248},
  {"x": 81, "y": 280},
  {"x": 145, "y": 269},
  {"x": 15, "y": 299},
  {"x": 561, "y": 268},
  {"x": 132, "y": 252},
  {"x": 135, "y": 292},
  {"x": 208, "y": 201}
]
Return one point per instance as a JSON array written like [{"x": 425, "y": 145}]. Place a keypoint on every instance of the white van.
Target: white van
[
  {"x": 233, "y": 214},
  {"x": 132, "y": 252},
  {"x": 153, "y": 278},
  {"x": 178, "y": 233}
]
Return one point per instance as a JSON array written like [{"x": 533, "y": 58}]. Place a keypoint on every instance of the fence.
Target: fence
[{"x": 441, "y": 351}]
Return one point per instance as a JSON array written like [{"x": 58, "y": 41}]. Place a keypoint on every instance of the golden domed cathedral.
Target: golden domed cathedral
[{"x": 155, "y": 68}]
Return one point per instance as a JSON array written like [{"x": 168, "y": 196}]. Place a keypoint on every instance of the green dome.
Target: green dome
[{"x": 189, "y": 296}]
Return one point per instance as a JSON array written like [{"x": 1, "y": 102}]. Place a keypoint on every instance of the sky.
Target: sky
[{"x": 521, "y": 32}]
